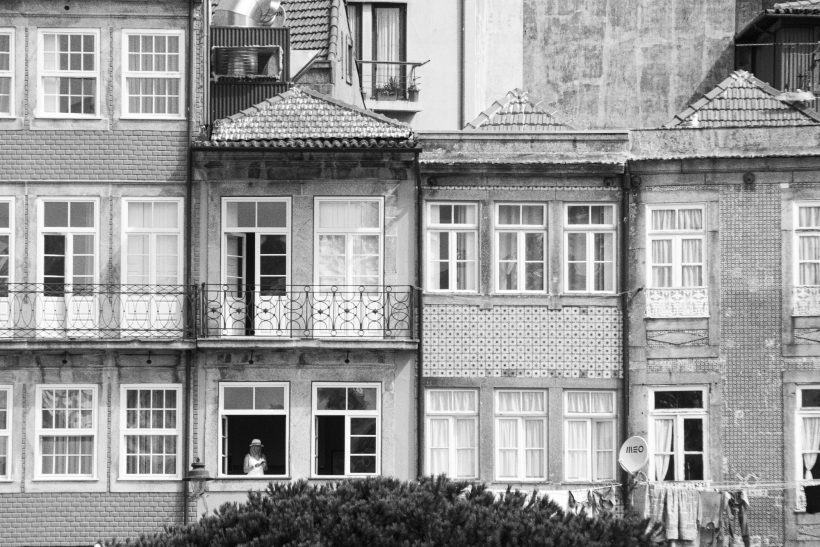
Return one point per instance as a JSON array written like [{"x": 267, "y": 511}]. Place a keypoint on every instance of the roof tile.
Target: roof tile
[
  {"x": 302, "y": 114},
  {"x": 309, "y": 23},
  {"x": 741, "y": 100},
  {"x": 515, "y": 111}
]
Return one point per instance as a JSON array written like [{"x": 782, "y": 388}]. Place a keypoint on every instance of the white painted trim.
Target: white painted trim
[
  {"x": 10, "y": 73},
  {"x": 590, "y": 418},
  {"x": 8, "y": 431},
  {"x": 152, "y": 234},
  {"x": 452, "y": 230},
  {"x": 451, "y": 416},
  {"x": 39, "y": 431},
  {"x": 125, "y": 74},
  {"x": 678, "y": 415},
  {"x": 676, "y": 236},
  {"x": 590, "y": 230},
  {"x": 520, "y": 417},
  {"x": 39, "y": 111},
  {"x": 521, "y": 230}
]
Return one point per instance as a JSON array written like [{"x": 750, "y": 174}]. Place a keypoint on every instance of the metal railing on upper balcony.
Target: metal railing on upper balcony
[
  {"x": 309, "y": 311},
  {"x": 390, "y": 80},
  {"x": 95, "y": 311}
]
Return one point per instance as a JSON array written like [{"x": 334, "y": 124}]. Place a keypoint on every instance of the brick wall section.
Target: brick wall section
[
  {"x": 83, "y": 518},
  {"x": 750, "y": 272},
  {"x": 94, "y": 155}
]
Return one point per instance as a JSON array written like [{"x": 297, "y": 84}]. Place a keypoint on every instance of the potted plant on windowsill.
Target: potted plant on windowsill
[
  {"x": 412, "y": 92},
  {"x": 389, "y": 91}
]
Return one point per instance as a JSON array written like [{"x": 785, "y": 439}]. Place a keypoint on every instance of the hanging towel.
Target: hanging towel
[
  {"x": 688, "y": 514},
  {"x": 709, "y": 509},
  {"x": 812, "y": 499},
  {"x": 672, "y": 514}
]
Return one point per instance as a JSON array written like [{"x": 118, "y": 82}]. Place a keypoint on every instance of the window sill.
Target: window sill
[
  {"x": 148, "y": 479},
  {"x": 254, "y": 478},
  {"x": 64, "y": 479}
]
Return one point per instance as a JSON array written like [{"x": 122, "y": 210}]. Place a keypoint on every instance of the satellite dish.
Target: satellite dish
[{"x": 634, "y": 454}]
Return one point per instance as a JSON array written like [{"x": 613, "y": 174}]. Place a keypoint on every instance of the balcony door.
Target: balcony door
[
  {"x": 389, "y": 46},
  {"x": 152, "y": 295},
  {"x": 6, "y": 269},
  {"x": 67, "y": 268},
  {"x": 348, "y": 299},
  {"x": 256, "y": 266}
]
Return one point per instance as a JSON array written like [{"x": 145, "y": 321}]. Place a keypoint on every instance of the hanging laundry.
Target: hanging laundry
[
  {"x": 739, "y": 507},
  {"x": 812, "y": 499},
  {"x": 709, "y": 509}
]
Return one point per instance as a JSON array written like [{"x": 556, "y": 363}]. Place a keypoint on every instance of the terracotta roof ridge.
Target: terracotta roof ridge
[
  {"x": 333, "y": 30},
  {"x": 515, "y": 96}
]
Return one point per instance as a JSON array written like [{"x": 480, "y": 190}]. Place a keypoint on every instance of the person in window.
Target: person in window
[{"x": 255, "y": 463}]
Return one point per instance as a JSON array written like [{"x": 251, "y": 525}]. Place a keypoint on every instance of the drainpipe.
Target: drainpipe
[
  {"x": 461, "y": 67},
  {"x": 186, "y": 449},
  {"x": 623, "y": 245},
  {"x": 420, "y": 334}
]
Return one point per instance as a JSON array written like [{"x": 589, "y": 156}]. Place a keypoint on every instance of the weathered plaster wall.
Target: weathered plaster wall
[{"x": 618, "y": 64}]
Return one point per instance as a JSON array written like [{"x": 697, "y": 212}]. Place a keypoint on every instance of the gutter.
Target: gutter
[
  {"x": 461, "y": 68},
  {"x": 623, "y": 274},
  {"x": 186, "y": 434},
  {"x": 420, "y": 336}
]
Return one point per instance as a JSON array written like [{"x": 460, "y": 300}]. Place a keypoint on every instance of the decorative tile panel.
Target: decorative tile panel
[
  {"x": 805, "y": 301},
  {"x": 674, "y": 303},
  {"x": 677, "y": 338},
  {"x": 522, "y": 342}
]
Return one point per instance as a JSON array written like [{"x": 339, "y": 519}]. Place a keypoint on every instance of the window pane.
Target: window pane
[
  {"x": 272, "y": 214},
  {"x": 678, "y": 399},
  {"x": 238, "y": 398},
  {"x": 693, "y": 435},
  {"x": 362, "y": 398},
  {"x": 82, "y": 214},
  {"x": 363, "y": 426},
  {"x": 331, "y": 398},
  {"x": 55, "y": 214},
  {"x": 270, "y": 398},
  {"x": 810, "y": 398},
  {"x": 533, "y": 215},
  {"x": 4, "y": 215},
  {"x": 509, "y": 214},
  {"x": 693, "y": 467}
]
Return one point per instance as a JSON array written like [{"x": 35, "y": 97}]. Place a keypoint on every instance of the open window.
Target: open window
[
  {"x": 678, "y": 426},
  {"x": 248, "y": 411}
]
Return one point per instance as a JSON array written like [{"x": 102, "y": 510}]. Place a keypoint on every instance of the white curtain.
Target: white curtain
[
  {"x": 663, "y": 443},
  {"x": 438, "y": 401},
  {"x": 811, "y": 443},
  {"x": 334, "y": 214},
  {"x": 534, "y": 446},
  {"x": 605, "y": 444},
  {"x": 577, "y": 450},
  {"x": 507, "y": 448},
  {"x": 439, "y": 446},
  {"x": 692, "y": 253},
  {"x": 808, "y": 217},
  {"x": 808, "y": 252},
  {"x": 661, "y": 256},
  {"x": 388, "y": 42},
  {"x": 466, "y": 448},
  {"x": 464, "y": 401},
  {"x": 167, "y": 259},
  {"x": 690, "y": 219},
  {"x": 663, "y": 219},
  {"x": 601, "y": 402},
  {"x": 509, "y": 401}
]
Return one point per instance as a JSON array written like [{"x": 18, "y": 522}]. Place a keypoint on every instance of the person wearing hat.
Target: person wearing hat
[{"x": 255, "y": 463}]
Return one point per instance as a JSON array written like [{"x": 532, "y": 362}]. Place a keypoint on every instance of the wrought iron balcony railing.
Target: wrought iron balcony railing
[
  {"x": 113, "y": 311},
  {"x": 309, "y": 311},
  {"x": 390, "y": 80}
]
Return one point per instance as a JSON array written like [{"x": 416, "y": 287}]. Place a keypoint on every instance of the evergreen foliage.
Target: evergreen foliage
[{"x": 387, "y": 512}]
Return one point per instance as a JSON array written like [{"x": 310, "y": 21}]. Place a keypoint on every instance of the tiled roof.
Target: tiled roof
[
  {"x": 515, "y": 111},
  {"x": 799, "y": 7},
  {"x": 303, "y": 117},
  {"x": 309, "y": 23},
  {"x": 741, "y": 100}
]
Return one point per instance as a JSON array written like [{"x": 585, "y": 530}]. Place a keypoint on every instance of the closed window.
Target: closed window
[
  {"x": 251, "y": 411},
  {"x": 520, "y": 247},
  {"x": 677, "y": 429},
  {"x": 520, "y": 435},
  {"x": 151, "y": 431},
  {"x": 5, "y": 431},
  {"x": 6, "y": 253},
  {"x": 676, "y": 246},
  {"x": 451, "y": 433},
  {"x": 152, "y": 74},
  {"x": 589, "y": 435},
  {"x": 349, "y": 241},
  {"x": 66, "y": 426},
  {"x": 589, "y": 240},
  {"x": 346, "y": 429},
  {"x": 69, "y": 78},
  {"x": 807, "y": 242},
  {"x": 6, "y": 72},
  {"x": 153, "y": 242},
  {"x": 452, "y": 247}
]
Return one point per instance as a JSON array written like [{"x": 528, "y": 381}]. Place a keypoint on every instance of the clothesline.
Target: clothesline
[{"x": 703, "y": 485}]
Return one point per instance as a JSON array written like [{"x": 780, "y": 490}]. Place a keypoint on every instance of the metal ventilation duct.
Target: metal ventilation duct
[{"x": 248, "y": 13}]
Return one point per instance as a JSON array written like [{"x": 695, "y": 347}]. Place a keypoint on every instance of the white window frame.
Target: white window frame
[
  {"x": 800, "y": 413},
  {"x": 285, "y": 411},
  {"x": 67, "y": 231},
  {"x": 10, "y": 233},
  {"x": 521, "y": 449},
  {"x": 166, "y": 432},
  {"x": 676, "y": 236},
  {"x": 152, "y": 234},
  {"x": 40, "y": 432},
  {"x": 126, "y": 74},
  {"x": 318, "y": 232},
  {"x": 10, "y": 72},
  {"x": 521, "y": 230},
  {"x": 591, "y": 419},
  {"x": 452, "y": 230},
  {"x": 40, "y": 111},
  {"x": 591, "y": 230},
  {"x": 678, "y": 415},
  {"x": 7, "y": 432},
  {"x": 452, "y": 416},
  {"x": 348, "y": 414},
  {"x": 798, "y": 232}
]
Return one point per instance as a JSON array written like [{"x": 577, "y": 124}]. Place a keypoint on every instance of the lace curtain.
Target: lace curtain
[{"x": 663, "y": 443}]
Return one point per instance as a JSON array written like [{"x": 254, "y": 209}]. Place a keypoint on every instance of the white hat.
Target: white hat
[{"x": 257, "y": 442}]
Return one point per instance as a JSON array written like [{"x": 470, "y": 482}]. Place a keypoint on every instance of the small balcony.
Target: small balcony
[
  {"x": 391, "y": 86},
  {"x": 57, "y": 311},
  {"x": 309, "y": 311}
]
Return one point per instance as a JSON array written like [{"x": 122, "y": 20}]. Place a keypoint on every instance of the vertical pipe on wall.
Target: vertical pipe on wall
[
  {"x": 420, "y": 325},
  {"x": 189, "y": 55},
  {"x": 461, "y": 67},
  {"x": 623, "y": 245}
]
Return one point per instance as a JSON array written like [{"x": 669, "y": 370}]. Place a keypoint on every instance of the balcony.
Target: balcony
[
  {"x": 309, "y": 311},
  {"x": 391, "y": 86},
  {"x": 95, "y": 312}
]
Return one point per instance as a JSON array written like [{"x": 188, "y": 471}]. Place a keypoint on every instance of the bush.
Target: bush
[{"x": 383, "y": 511}]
